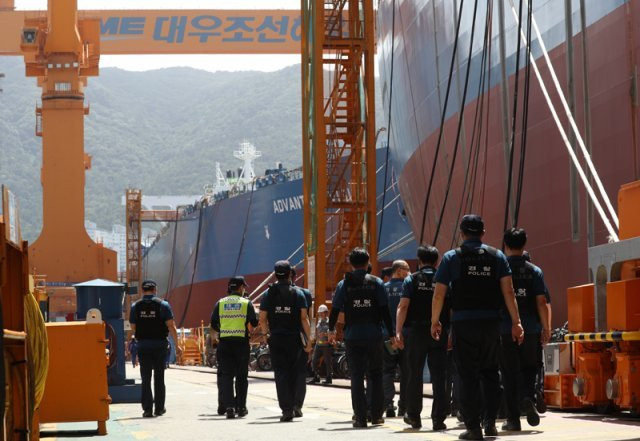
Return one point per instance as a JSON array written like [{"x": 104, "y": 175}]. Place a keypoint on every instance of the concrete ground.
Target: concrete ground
[{"x": 192, "y": 404}]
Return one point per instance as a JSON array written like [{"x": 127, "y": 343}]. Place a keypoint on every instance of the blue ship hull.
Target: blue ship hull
[{"x": 193, "y": 258}]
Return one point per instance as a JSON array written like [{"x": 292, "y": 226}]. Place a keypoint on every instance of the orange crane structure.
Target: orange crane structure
[{"x": 338, "y": 138}]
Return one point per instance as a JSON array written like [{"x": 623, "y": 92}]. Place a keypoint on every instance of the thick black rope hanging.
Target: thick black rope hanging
[
  {"x": 460, "y": 123},
  {"x": 386, "y": 161},
  {"x": 244, "y": 231},
  {"x": 476, "y": 132},
  {"x": 525, "y": 117},
  {"x": 173, "y": 252},
  {"x": 442, "y": 120},
  {"x": 513, "y": 121},
  {"x": 195, "y": 266}
]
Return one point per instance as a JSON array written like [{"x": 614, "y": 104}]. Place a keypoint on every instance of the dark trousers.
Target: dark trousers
[
  {"x": 421, "y": 348},
  {"x": 519, "y": 365},
  {"x": 289, "y": 362},
  {"x": 365, "y": 357},
  {"x": 390, "y": 363},
  {"x": 326, "y": 352},
  {"x": 453, "y": 384},
  {"x": 301, "y": 380},
  {"x": 152, "y": 362},
  {"x": 233, "y": 364},
  {"x": 476, "y": 350}
]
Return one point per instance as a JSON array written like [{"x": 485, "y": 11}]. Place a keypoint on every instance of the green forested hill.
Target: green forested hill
[{"x": 160, "y": 130}]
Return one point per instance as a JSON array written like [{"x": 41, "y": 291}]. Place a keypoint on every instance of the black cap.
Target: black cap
[
  {"x": 472, "y": 224},
  {"x": 148, "y": 285},
  {"x": 282, "y": 268},
  {"x": 236, "y": 282}
]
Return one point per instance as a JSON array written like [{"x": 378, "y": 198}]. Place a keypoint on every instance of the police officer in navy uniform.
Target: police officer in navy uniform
[
  {"x": 480, "y": 280},
  {"x": 396, "y": 359},
  {"x": 414, "y": 321},
  {"x": 232, "y": 318},
  {"x": 301, "y": 383},
  {"x": 520, "y": 363},
  {"x": 362, "y": 298},
  {"x": 283, "y": 316},
  {"x": 151, "y": 321}
]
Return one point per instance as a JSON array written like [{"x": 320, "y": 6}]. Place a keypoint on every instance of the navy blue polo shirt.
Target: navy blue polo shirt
[
  {"x": 266, "y": 304},
  {"x": 307, "y": 297},
  {"x": 166, "y": 313},
  {"x": 364, "y": 331},
  {"x": 394, "y": 293},
  {"x": 530, "y": 319},
  {"x": 449, "y": 271}
]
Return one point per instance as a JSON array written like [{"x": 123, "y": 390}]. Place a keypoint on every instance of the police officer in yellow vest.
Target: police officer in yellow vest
[{"x": 233, "y": 317}]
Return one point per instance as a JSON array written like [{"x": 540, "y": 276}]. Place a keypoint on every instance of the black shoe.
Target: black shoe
[
  {"x": 438, "y": 426},
  {"x": 369, "y": 418},
  {"x": 221, "y": 411},
  {"x": 377, "y": 421},
  {"x": 391, "y": 412},
  {"x": 512, "y": 426},
  {"x": 314, "y": 380},
  {"x": 490, "y": 429},
  {"x": 328, "y": 380},
  {"x": 474, "y": 434},
  {"x": 161, "y": 412},
  {"x": 529, "y": 407},
  {"x": 297, "y": 412},
  {"x": 242, "y": 412},
  {"x": 359, "y": 424},
  {"x": 231, "y": 413},
  {"x": 413, "y": 422},
  {"x": 286, "y": 417},
  {"x": 147, "y": 414}
]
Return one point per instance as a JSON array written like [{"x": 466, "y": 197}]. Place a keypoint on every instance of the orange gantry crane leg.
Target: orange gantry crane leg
[
  {"x": 338, "y": 138},
  {"x": 62, "y": 51}
]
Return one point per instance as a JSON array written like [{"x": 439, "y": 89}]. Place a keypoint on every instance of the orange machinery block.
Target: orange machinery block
[
  {"x": 629, "y": 210},
  {"x": 581, "y": 310},
  {"x": 76, "y": 388},
  {"x": 624, "y": 388},
  {"x": 558, "y": 391},
  {"x": 593, "y": 369},
  {"x": 623, "y": 305}
]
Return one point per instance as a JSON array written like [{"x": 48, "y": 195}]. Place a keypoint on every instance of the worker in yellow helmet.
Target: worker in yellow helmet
[{"x": 233, "y": 317}]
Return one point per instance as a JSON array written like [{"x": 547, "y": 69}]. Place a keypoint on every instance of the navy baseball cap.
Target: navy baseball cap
[
  {"x": 282, "y": 268},
  {"x": 472, "y": 224},
  {"x": 148, "y": 285},
  {"x": 237, "y": 282}
]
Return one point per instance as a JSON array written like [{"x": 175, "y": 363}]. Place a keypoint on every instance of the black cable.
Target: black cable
[
  {"x": 476, "y": 132},
  {"x": 442, "y": 120},
  {"x": 460, "y": 123},
  {"x": 472, "y": 194},
  {"x": 173, "y": 252},
  {"x": 386, "y": 161},
  {"x": 525, "y": 116},
  {"x": 513, "y": 121},
  {"x": 193, "y": 273},
  {"x": 246, "y": 224}
]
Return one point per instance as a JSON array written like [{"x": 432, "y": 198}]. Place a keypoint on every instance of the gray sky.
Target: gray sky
[{"x": 207, "y": 62}]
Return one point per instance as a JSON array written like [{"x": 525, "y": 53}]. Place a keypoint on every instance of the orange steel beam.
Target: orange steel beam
[
  {"x": 124, "y": 32},
  {"x": 61, "y": 51},
  {"x": 134, "y": 236},
  {"x": 338, "y": 138},
  {"x": 158, "y": 216}
]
